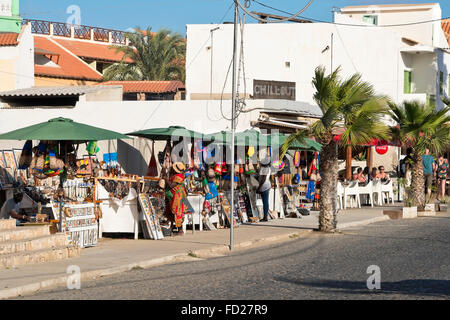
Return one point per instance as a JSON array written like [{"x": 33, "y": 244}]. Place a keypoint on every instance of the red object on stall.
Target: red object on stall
[{"x": 382, "y": 149}]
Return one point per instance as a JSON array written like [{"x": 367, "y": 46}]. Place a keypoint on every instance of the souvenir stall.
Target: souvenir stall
[
  {"x": 179, "y": 138},
  {"x": 299, "y": 176},
  {"x": 59, "y": 184}
]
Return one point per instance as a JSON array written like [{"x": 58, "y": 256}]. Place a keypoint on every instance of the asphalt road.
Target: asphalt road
[{"x": 413, "y": 257}]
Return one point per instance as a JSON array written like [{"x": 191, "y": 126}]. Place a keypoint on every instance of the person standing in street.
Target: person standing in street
[
  {"x": 441, "y": 176},
  {"x": 428, "y": 168},
  {"x": 264, "y": 187}
]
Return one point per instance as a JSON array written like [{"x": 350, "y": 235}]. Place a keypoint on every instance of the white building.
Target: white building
[
  {"x": 16, "y": 60},
  {"x": 403, "y": 62}
]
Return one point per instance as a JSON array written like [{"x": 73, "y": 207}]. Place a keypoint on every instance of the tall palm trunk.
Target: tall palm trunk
[
  {"x": 328, "y": 184},
  {"x": 418, "y": 182}
]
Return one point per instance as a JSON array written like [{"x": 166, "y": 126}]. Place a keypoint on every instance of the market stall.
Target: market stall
[{"x": 59, "y": 184}]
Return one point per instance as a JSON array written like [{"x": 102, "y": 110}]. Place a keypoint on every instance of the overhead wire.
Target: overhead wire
[{"x": 349, "y": 24}]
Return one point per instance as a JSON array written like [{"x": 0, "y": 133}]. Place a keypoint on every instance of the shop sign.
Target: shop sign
[
  {"x": 265, "y": 89},
  {"x": 381, "y": 149}
]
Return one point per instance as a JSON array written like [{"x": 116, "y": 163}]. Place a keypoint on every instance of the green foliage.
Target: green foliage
[
  {"x": 156, "y": 56},
  {"x": 350, "y": 105},
  {"x": 408, "y": 197},
  {"x": 421, "y": 126}
]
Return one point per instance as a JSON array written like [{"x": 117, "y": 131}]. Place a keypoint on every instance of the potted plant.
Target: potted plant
[
  {"x": 430, "y": 206},
  {"x": 409, "y": 209},
  {"x": 443, "y": 205}
]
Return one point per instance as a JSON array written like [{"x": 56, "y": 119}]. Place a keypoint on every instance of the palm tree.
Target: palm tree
[
  {"x": 156, "y": 56},
  {"x": 349, "y": 105},
  {"x": 420, "y": 126}
]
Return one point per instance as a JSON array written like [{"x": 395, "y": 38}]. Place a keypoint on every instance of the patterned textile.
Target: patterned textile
[
  {"x": 442, "y": 169},
  {"x": 179, "y": 193},
  {"x": 311, "y": 190},
  {"x": 212, "y": 191}
]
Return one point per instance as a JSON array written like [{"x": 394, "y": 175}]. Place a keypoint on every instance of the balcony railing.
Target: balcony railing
[{"x": 78, "y": 32}]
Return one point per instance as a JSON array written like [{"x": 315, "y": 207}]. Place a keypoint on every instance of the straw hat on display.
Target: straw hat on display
[{"x": 179, "y": 167}]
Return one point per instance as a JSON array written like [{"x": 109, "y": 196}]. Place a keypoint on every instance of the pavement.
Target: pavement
[{"x": 113, "y": 256}]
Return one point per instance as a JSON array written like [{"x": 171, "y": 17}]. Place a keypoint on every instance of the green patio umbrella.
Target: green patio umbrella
[
  {"x": 308, "y": 144},
  {"x": 62, "y": 129},
  {"x": 166, "y": 133},
  {"x": 246, "y": 138}
]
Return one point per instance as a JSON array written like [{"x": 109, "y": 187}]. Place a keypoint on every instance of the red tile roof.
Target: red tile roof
[
  {"x": 90, "y": 50},
  {"x": 148, "y": 86},
  {"x": 446, "y": 27},
  {"x": 69, "y": 66},
  {"x": 8, "y": 39}
]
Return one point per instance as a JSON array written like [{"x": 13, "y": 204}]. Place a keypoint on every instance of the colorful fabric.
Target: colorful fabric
[
  {"x": 297, "y": 159},
  {"x": 177, "y": 205},
  {"x": 442, "y": 169},
  {"x": 310, "y": 191},
  {"x": 213, "y": 193}
]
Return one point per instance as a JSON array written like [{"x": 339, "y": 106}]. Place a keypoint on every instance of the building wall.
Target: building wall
[
  {"x": 25, "y": 59},
  {"x": 423, "y": 33},
  {"x": 128, "y": 116},
  {"x": 7, "y": 70},
  {"x": 267, "y": 47},
  {"x": 51, "y": 82},
  {"x": 17, "y": 63}
]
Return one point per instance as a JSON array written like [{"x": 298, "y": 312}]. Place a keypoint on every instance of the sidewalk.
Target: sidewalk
[{"x": 112, "y": 256}]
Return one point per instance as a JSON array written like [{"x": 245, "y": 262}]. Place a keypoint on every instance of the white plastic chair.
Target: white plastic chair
[
  {"x": 340, "y": 194},
  {"x": 352, "y": 191},
  {"x": 387, "y": 191},
  {"x": 367, "y": 190},
  {"x": 376, "y": 190}
]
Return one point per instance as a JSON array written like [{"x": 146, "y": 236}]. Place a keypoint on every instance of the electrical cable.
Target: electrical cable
[
  {"x": 223, "y": 89},
  {"x": 247, "y": 5},
  {"x": 349, "y": 24}
]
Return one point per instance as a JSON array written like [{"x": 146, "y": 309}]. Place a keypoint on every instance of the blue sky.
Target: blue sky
[{"x": 175, "y": 14}]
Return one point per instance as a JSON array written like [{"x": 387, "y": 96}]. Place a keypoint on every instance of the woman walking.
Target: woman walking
[
  {"x": 176, "y": 194},
  {"x": 441, "y": 175}
]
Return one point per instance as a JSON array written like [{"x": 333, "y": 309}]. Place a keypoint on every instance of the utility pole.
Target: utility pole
[{"x": 233, "y": 121}]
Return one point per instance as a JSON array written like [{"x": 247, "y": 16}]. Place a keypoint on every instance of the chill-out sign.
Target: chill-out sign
[{"x": 263, "y": 89}]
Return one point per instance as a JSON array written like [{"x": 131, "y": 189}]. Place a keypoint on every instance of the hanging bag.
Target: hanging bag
[{"x": 26, "y": 156}]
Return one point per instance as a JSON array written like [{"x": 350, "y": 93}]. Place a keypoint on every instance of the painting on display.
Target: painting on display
[
  {"x": 151, "y": 219},
  {"x": 10, "y": 160},
  {"x": 17, "y": 154},
  {"x": 2, "y": 160}
]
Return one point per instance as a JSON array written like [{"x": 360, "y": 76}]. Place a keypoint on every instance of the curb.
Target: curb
[
  {"x": 362, "y": 223},
  {"x": 182, "y": 257}
]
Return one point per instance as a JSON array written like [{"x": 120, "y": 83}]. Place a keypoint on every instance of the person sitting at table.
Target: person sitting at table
[
  {"x": 358, "y": 176},
  {"x": 373, "y": 175},
  {"x": 11, "y": 208},
  {"x": 383, "y": 176},
  {"x": 366, "y": 174}
]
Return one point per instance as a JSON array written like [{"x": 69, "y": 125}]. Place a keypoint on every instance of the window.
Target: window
[
  {"x": 441, "y": 82},
  {"x": 407, "y": 82},
  {"x": 371, "y": 19}
]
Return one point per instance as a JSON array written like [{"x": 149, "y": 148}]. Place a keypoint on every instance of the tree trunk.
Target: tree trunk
[
  {"x": 328, "y": 184},
  {"x": 348, "y": 163},
  {"x": 418, "y": 182}
]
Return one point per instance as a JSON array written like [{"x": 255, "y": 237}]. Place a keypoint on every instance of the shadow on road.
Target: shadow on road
[{"x": 416, "y": 287}]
